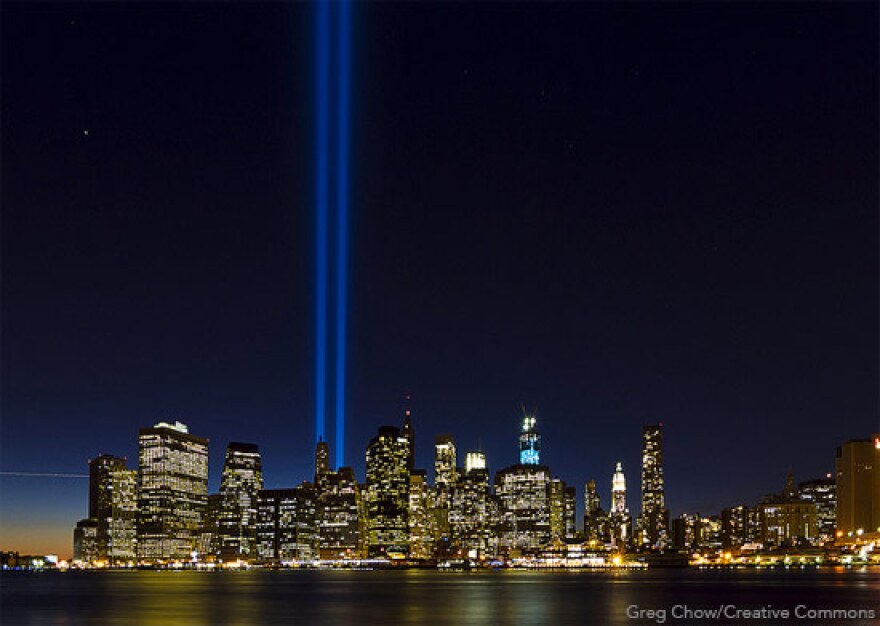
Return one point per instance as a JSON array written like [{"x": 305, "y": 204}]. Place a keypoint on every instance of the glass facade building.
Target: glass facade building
[
  {"x": 653, "y": 522},
  {"x": 172, "y": 492},
  {"x": 387, "y": 494},
  {"x": 241, "y": 480}
]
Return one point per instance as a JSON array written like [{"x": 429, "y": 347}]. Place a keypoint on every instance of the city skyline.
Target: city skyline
[
  {"x": 447, "y": 469},
  {"x": 634, "y": 502},
  {"x": 163, "y": 513},
  {"x": 621, "y": 238}
]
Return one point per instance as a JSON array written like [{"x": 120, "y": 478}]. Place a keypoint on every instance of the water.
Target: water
[{"x": 167, "y": 598}]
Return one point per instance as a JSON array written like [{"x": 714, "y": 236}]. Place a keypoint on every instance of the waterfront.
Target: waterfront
[{"x": 168, "y": 598}]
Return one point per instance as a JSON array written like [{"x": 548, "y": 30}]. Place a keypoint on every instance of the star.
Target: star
[{"x": 86, "y": 132}]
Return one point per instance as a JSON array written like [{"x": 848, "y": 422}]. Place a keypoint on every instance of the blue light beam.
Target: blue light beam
[
  {"x": 342, "y": 117},
  {"x": 322, "y": 141}
]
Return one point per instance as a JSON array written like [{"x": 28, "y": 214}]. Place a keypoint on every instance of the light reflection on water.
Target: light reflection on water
[{"x": 148, "y": 598}]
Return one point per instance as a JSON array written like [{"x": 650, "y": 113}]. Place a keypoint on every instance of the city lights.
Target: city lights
[{"x": 524, "y": 517}]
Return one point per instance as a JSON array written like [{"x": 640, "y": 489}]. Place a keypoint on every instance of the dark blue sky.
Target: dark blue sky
[{"x": 619, "y": 213}]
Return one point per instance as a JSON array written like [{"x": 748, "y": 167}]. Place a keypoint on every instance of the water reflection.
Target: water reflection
[{"x": 407, "y": 597}]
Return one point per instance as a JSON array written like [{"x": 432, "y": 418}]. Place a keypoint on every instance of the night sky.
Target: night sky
[{"x": 617, "y": 213}]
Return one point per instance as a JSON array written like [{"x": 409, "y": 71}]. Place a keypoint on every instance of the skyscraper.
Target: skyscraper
[
  {"x": 120, "y": 530},
  {"x": 569, "y": 512},
  {"x": 618, "y": 491},
  {"x": 445, "y": 479},
  {"x": 619, "y": 519},
  {"x": 529, "y": 441},
  {"x": 338, "y": 512},
  {"x": 173, "y": 492},
  {"x": 858, "y": 487},
  {"x": 445, "y": 471},
  {"x": 523, "y": 495},
  {"x": 592, "y": 500},
  {"x": 322, "y": 460},
  {"x": 473, "y": 511},
  {"x": 209, "y": 539},
  {"x": 736, "y": 529},
  {"x": 822, "y": 492},
  {"x": 240, "y": 482},
  {"x": 388, "y": 493},
  {"x": 410, "y": 434},
  {"x": 100, "y": 484},
  {"x": 420, "y": 516},
  {"x": 557, "y": 508},
  {"x": 654, "y": 519},
  {"x": 595, "y": 519},
  {"x": 286, "y": 525},
  {"x": 112, "y": 504},
  {"x": 474, "y": 461},
  {"x": 686, "y": 530}
]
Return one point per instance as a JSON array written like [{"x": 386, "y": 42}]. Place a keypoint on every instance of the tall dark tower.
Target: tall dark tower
[
  {"x": 654, "y": 520},
  {"x": 112, "y": 504},
  {"x": 410, "y": 434},
  {"x": 322, "y": 459},
  {"x": 100, "y": 470}
]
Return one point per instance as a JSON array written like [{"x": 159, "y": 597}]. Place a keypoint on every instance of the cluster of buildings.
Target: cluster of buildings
[
  {"x": 839, "y": 512},
  {"x": 161, "y": 514}
]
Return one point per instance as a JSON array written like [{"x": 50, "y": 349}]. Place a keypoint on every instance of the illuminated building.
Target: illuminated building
[
  {"x": 529, "y": 442},
  {"x": 240, "y": 482},
  {"x": 445, "y": 478},
  {"x": 686, "y": 532},
  {"x": 654, "y": 519},
  {"x": 709, "y": 539},
  {"x": 786, "y": 520},
  {"x": 523, "y": 496},
  {"x": 101, "y": 496},
  {"x": 121, "y": 531},
  {"x": 619, "y": 518},
  {"x": 173, "y": 492},
  {"x": 474, "y": 461},
  {"x": 420, "y": 516},
  {"x": 387, "y": 496},
  {"x": 473, "y": 511},
  {"x": 562, "y": 509},
  {"x": 570, "y": 512},
  {"x": 596, "y": 529},
  {"x": 736, "y": 527},
  {"x": 445, "y": 469},
  {"x": 618, "y": 491},
  {"x": 286, "y": 525},
  {"x": 322, "y": 460},
  {"x": 858, "y": 487},
  {"x": 822, "y": 492},
  {"x": 209, "y": 540},
  {"x": 592, "y": 500},
  {"x": 85, "y": 541},
  {"x": 113, "y": 503},
  {"x": 339, "y": 518}
]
